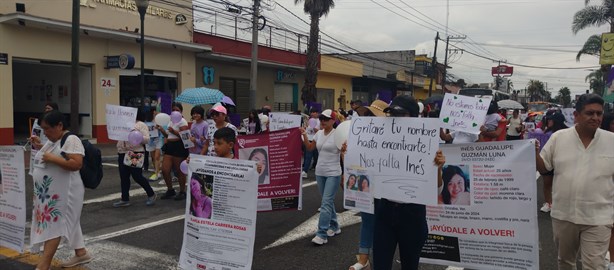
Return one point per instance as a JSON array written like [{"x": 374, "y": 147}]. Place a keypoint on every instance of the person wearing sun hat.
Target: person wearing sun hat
[
  {"x": 328, "y": 175},
  {"x": 377, "y": 107},
  {"x": 218, "y": 114},
  {"x": 397, "y": 223}
]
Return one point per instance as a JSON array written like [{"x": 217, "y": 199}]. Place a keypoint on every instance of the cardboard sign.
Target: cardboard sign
[{"x": 463, "y": 113}]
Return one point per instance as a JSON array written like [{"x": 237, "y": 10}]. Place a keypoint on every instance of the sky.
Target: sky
[{"x": 493, "y": 28}]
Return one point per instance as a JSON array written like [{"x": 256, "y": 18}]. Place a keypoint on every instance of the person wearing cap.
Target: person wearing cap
[
  {"x": 313, "y": 126},
  {"x": 367, "y": 224},
  {"x": 328, "y": 175},
  {"x": 218, "y": 114},
  {"x": 583, "y": 188},
  {"x": 174, "y": 154},
  {"x": 397, "y": 223}
]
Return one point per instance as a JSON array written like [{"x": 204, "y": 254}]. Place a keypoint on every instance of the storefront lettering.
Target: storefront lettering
[
  {"x": 131, "y": 6},
  {"x": 281, "y": 75}
]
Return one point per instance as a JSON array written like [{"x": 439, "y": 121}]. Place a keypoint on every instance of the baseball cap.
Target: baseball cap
[
  {"x": 377, "y": 107},
  {"x": 220, "y": 109},
  {"x": 402, "y": 105},
  {"x": 329, "y": 114}
]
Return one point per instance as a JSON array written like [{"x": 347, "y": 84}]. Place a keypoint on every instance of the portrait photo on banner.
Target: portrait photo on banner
[
  {"x": 456, "y": 185},
  {"x": 260, "y": 155},
  {"x": 201, "y": 192}
]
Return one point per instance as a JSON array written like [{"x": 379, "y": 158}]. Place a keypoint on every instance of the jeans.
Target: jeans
[
  {"x": 328, "y": 186},
  {"x": 398, "y": 223},
  {"x": 308, "y": 156},
  {"x": 366, "y": 232},
  {"x": 137, "y": 173}
]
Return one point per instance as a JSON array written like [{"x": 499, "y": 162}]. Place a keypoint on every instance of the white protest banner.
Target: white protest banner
[
  {"x": 185, "y": 138},
  {"x": 279, "y": 121},
  {"x": 397, "y": 153},
  {"x": 120, "y": 121},
  {"x": 487, "y": 213},
  {"x": 569, "y": 118},
  {"x": 12, "y": 198},
  {"x": 220, "y": 223},
  {"x": 463, "y": 113},
  {"x": 357, "y": 191}
]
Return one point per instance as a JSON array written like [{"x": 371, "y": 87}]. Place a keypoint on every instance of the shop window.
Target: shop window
[{"x": 238, "y": 91}]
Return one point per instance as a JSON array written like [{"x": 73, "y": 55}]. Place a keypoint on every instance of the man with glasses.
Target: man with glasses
[{"x": 583, "y": 187}]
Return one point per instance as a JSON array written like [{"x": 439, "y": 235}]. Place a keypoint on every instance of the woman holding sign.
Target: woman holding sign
[
  {"x": 174, "y": 154},
  {"x": 328, "y": 175}
]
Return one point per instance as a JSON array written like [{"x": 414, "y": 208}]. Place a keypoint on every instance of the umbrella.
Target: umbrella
[
  {"x": 434, "y": 99},
  {"x": 200, "y": 95},
  {"x": 509, "y": 104},
  {"x": 228, "y": 101}
]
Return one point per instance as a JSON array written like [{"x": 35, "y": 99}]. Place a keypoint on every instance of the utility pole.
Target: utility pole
[
  {"x": 253, "y": 82},
  {"x": 445, "y": 61},
  {"x": 74, "y": 68},
  {"x": 433, "y": 66}
]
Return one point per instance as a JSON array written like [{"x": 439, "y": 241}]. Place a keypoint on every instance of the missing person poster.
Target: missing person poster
[
  {"x": 220, "y": 223},
  {"x": 486, "y": 216},
  {"x": 357, "y": 190},
  {"x": 120, "y": 121},
  {"x": 397, "y": 153},
  {"x": 279, "y": 152},
  {"x": 12, "y": 198},
  {"x": 279, "y": 121}
]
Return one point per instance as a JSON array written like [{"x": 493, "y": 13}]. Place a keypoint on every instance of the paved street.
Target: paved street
[{"x": 140, "y": 237}]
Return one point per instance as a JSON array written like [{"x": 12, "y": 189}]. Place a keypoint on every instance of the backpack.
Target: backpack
[{"x": 91, "y": 170}]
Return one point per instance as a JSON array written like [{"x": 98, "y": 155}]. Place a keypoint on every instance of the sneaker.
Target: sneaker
[
  {"x": 319, "y": 209},
  {"x": 546, "y": 208},
  {"x": 168, "y": 194},
  {"x": 304, "y": 175},
  {"x": 154, "y": 177},
  {"x": 161, "y": 182},
  {"x": 175, "y": 179},
  {"x": 319, "y": 240},
  {"x": 454, "y": 268},
  {"x": 121, "y": 204},
  {"x": 180, "y": 196},
  {"x": 151, "y": 200},
  {"x": 77, "y": 260},
  {"x": 332, "y": 233}
]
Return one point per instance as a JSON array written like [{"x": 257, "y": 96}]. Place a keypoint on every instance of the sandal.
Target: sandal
[{"x": 360, "y": 266}]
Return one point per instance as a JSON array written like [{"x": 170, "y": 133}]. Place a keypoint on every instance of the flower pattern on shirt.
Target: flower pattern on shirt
[{"x": 45, "y": 213}]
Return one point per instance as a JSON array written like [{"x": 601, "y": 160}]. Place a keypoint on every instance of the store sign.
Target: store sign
[
  {"x": 123, "y": 61},
  {"x": 282, "y": 75},
  {"x": 4, "y": 59},
  {"x": 606, "y": 57},
  {"x": 180, "y": 19},
  {"x": 107, "y": 85},
  {"x": 208, "y": 75},
  {"x": 129, "y": 5},
  {"x": 502, "y": 70}
]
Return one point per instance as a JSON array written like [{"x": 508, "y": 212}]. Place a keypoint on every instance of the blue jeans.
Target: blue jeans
[
  {"x": 366, "y": 232},
  {"x": 308, "y": 156},
  {"x": 328, "y": 186},
  {"x": 398, "y": 223}
]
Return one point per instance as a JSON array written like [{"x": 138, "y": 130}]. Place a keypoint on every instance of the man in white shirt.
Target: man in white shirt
[{"x": 583, "y": 187}]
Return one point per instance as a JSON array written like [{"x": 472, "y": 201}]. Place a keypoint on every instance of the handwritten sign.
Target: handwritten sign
[
  {"x": 120, "y": 121},
  {"x": 279, "y": 121},
  {"x": 397, "y": 153},
  {"x": 569, "y": 118},
  {"x": 463, "y": 113}
]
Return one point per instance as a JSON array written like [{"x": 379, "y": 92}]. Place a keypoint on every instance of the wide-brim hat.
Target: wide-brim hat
[{"x": 377, "y": 107}]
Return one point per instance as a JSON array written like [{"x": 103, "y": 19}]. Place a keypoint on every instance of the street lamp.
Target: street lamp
[{"x": 142, "y": 7}]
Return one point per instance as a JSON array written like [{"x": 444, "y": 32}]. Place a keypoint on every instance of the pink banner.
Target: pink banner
[{"x": 279, "y": 183}]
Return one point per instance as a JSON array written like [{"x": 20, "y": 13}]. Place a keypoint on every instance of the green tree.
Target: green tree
[
  {"x": 316, "y": 9},
  {"x": 595, "y": 80},
  {"x": 592, "y": 46},
  {"x": 593, "y": 15},
  {"x": 536, "y": 90},
  {"x": 564, "y": 97}
]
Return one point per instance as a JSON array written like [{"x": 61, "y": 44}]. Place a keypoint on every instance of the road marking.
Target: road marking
[
  {"x": 140, "y": 191},
  {"x": 110, "y": 165},
  {"x": 306, "y": 229},
  {"x": 133, "y": 229}
]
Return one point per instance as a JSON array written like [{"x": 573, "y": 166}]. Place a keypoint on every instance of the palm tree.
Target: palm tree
[
  {"x": 593, "y": 16},
  {"x": 316, "y": 9},
  {"x": 536, "y": 90},
  {"x": 595, "y": 80}
]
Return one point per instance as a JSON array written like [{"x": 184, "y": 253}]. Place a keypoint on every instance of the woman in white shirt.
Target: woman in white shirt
[
  {"x": 174, "y": 154},
  {"x": 328, "y": 175}
]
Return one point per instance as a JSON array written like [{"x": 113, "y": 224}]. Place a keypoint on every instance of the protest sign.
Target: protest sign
[
  {"x": 463, "y": 113},
  {"x": 120, "y": 121},
  {"x": 357, "y": 191},
  {"x": 569, "y": 118},
  {"x": 398, "y": 154},
  {"x": 279, "y": 121},
  {"x": 220, "y": 222},
  {"x": 487, "y": 213},
  {"x": 12, "y": 198},
  {"x": 279, "y": 183},
  {"x": 185, "y": 138}
]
